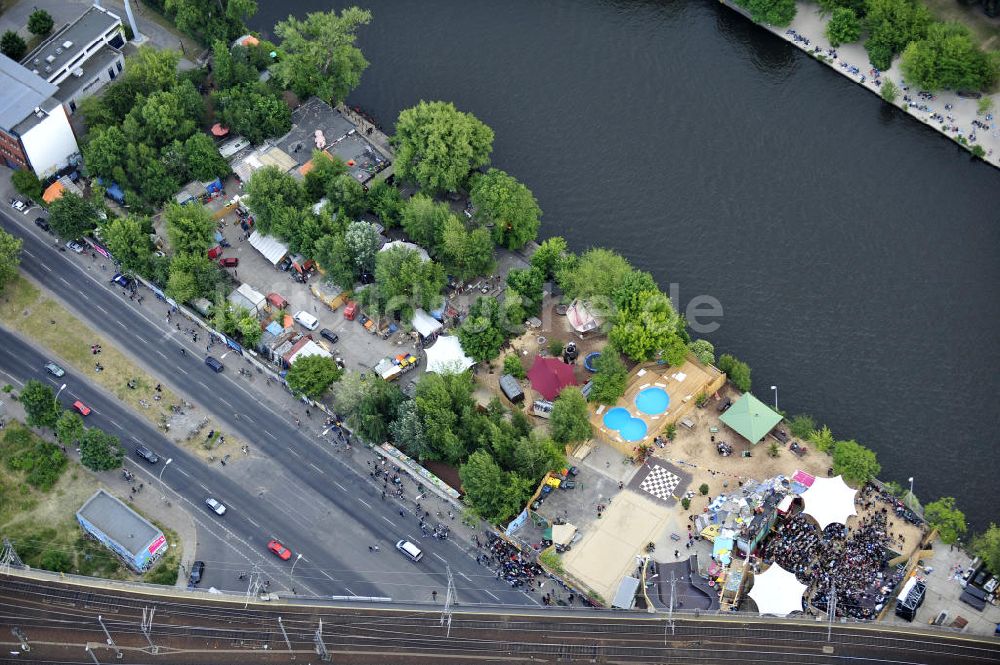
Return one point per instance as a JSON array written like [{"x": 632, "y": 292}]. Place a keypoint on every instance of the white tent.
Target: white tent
[
  {"x": 777, "y": 591},
  {"x": 424, "y": 256},
  {"x": 447, "y": 356},
  {"x": 425, "y": 324},
  {"x": 310, "y": 348},
  {"x": 829, "y": 500},
  {"x": 273, "y": 249}
]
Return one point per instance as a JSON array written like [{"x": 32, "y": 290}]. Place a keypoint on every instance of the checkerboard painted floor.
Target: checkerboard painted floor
[{"x": 660, "y": 482}]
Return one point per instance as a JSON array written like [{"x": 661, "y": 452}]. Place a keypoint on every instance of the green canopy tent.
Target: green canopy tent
[{"x": 750, "y": 418}]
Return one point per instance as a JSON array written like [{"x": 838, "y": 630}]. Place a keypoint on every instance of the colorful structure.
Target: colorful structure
[
  {"x": 750, "y": 418},
  {"x": 549, "y": 376},
  {"x": 122, "y": 530}
]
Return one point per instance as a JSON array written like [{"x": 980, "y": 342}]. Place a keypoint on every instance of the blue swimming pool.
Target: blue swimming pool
[
  {"x": 631, "y": 429},
  {"x": 653, "y": 401}
]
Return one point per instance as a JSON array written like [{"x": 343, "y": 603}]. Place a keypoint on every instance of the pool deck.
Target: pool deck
[{"x": 682, "y": 384}]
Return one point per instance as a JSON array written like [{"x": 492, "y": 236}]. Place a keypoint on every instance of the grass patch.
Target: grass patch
[
  {"x": 41, "y": 462},
  {"x": 166, "y": 569},
  {"x": 551, "y": 560}
]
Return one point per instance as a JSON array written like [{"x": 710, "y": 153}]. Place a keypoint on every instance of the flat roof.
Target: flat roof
[
  {"x": 92, "y": 24},
  {"x": 362, "y": 158},
  {"x": 102, "y": 58},
  {"x": 314, "y": 114},
  {"x": 48, "y": 105},
  {"x": 119, "y": 522},
  {"x": 22, "y": 92}
]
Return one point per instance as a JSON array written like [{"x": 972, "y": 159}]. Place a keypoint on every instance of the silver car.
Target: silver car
[{"x": 216, "y": 506}]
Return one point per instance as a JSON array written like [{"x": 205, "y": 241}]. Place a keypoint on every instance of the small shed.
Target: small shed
[
  {"x": 511, "y": 388},
  {"x": 122, "y": 530},
  {"x": 273, "y": 249},
  {"x": 625, "y": 596},
  {"x": 245, "y": 296},
  {"x": 425, "y": 324}
]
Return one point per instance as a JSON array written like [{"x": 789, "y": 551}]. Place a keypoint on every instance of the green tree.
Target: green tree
[
  {"x": 231, "y": 68},
  {"x": 823, "y": 439},
  {"x": 207, "y": 22},
  {"x": 332, "y": 254},
  {"x": 423, "y": 219},
  {"x": 890, "y": 92},
  {"x": 385, "y": 201},
  {"x": 508, "y": 206},
  {"x": 945, "y": 516},
  {"x": 482, "y": 331},
  {"x": 892, "y": 24},
  {"x": 318, "y": 54},
  {"x": 346, "y": 194},
  {"x": 466, "y": 253},
  {"x": 362, "y": 242},
  {"x": 58, "y": 561},
  {"x": 703, "y": 350},
  {"x": 437, "y": 146},
  {"x": 493, "y": 494},
  {"x": 312, "y": 375},
  {"x": 164, "y": 116},
  {"x": 10, "y": 257},
  {"x": 773, "y": 12},
  {"x": 737, "y": 371},
  {"x": 377, "y": 408},
  {"x": 128, "y": 240},
  {"x": 512, "y": 365},
  {"x": 105, "y": 152},
  {"x": 12, "y": 45},
  {"x": 192, "y": 277},
  {"x": 529, "y": 284},
  {"x": 550, "y": 256},
  {"x": 987, "y": 546},
  {"x": 190, "y": 229},
  {"x": 570, "y": 421},
  {"x": 203, "y": 159},
  {"x": 599, "y": 272},
  {"x": 39, "y": 404},
  {"x": 325, "y": 168},
  {"x": 249, "y": 110},
  {"x": 802, "y": 425},
  {"x": 100, "y": 451},
  {"x": 71, "y": 216},
  {"x": 647, "y": 325},
  {"x": 948, "y": 58},
  {"x": 69, "y": 428},
  {"x": 27, "y": 183},
  {"x": 407, "y": 281},
  {"x": 408, "y": 432},
  {"x": 535, "y": 455},
  {"x": 610, "y": 378},
  {"x": 249, "y": 329},
  {"x": 271, "y": 192},
  {"x": 40, "y": 22},
  {"x": 844, "y": 27},
  {"x": 855, "y": 462}
]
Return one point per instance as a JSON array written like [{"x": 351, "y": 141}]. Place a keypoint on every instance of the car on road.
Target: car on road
[
  {"x": 215, "y": 364},
  {"x": 216, "y": 506},
  {"x": 409, "y": 550},
  {"x": 82, "y": 408},
  {"x": 279, "y": 550},
  {"x": 197, "y": 572},
  {"x": 55, "y": 370},
  {"x": 229, "y": 262},
  {"x": 75, "y": 246},
  {"x": 306, "y": 320},
  {"x": 147, "y": 454},
  {"x": 121, "y": 280},
  {"x": 43, "y": 224},
  {"x": 328, "y": 334}
]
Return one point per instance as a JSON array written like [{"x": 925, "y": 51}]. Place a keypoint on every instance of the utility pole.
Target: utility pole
[
  {"x": 288, "y": 642},
  {"x": 253, "y": 586},
  {"x": 9, "y": 557},
  {"x": 832, "y": 610},
  {"x": 321, "y": 651},
  {"x": 111, "y": 642},
  {"x": 21, "y": 637},
  {"x": 670, "y": 609},
  {"x": 449, "y": 597},
  {"x": 147, "y": 625}
]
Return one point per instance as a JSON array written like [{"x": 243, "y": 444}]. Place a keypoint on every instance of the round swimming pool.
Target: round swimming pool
[
  {"x": 653, "y": 401},
  {"x": 631, "y": 429},
  {"x": 616, "y": 417}
]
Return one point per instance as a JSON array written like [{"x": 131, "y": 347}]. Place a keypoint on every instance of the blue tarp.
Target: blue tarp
[
  {"x": 214, "y": 186},
  {"x": 438, "y": 314},
  {"x": 112, "y": 191}
]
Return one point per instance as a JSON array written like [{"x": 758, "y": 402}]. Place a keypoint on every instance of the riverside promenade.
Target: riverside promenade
[{"x": 852, "y": 61}]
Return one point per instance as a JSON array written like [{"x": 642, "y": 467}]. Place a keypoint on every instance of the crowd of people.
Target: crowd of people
[
  {"x": 852, "y": 561},
  {"x": 508, "y": 562}
]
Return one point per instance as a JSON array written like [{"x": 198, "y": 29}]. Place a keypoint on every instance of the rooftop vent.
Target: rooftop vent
[
  {"x": 78, "y": 72},
  {"x": 50, "y": 59},
  {"x": 67, "y": 44},
  {"x": 34, "y": 71},
  {"x": 37, "y": 61},
  {"x": 58, "y": 51},
  {"x": 48, "y": 69}
]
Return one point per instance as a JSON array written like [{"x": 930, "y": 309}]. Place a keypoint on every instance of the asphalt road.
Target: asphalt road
[
  {"x": 306, "y": 496},
  {"x": 56, "y": 619}
]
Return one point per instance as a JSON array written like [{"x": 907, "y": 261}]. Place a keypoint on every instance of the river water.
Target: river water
[{"x": 854, "y": 251}]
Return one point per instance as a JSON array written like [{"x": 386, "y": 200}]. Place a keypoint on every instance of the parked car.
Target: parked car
[
  {"x": 217, "y": 506},
  {"x": 197, "y": 571},
  {"x": 277, "y": 300},
  {"x": 726, "y": 403},
  {"x": 329, "y": 335},
  {"x": 279, "y": 550},
  {"x": 82, "y": 408},
  {"x": 19, "y": 205},
  {"x": 55, "y": 370},
  {"x": 121, "y": 280},
  {"x": 306, "y": 320},
  {"x": 229, "y": 262},
  {"x": 43, "y": 224},
  {"x": 75, "y": 246},
  {"x": 350, "y": 311},
  {"x": 147, "y": 454}
]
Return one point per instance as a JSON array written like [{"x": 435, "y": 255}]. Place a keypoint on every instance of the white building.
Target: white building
[
  {"x": 34, "y": 128},
  {"x": 82, "y": 57}
]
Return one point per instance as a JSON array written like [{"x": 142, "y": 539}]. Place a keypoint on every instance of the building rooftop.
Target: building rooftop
[
  {"x": 22, "y": 92},
  {"x": 119, "y": 522},
  {"x": 313, "y": 115},
  {"x": 103, "y": 58},
  {"x": 56, "y": 51},
  {"x": 48, "y": 105}
]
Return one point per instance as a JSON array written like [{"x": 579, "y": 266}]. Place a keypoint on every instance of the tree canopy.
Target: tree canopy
[
  {"x": 190, "y": 229},
  {"x": 312, "y": 375},
  {"x": 855, "y": 462},
  {"x": 423, "y": 219},
  {"x": 570, "y": 418},
  {"x": 219, "y": 20},
  {"x": 128, "y": 240},
  {"x": 100, "y": 451},
  {"x": 252, "y": 111},
  {"x": 987, "y": 546},
  {"x": 10, "y": 257},
  {"x": 844, "y": 27},
  {"x": 362, "y": 242},
  {"x": 508, "y": 207},
  {"x": 482, "y": 331},
  {"x": 437, "y": 146},
  {"x": 773, "y": 12},
  {"x": 466, "y": 253},
  {"x": 945, "y": 516},
  {"x": 407, "y": 282},
  {"x": 598, "y": 272},
  {"x": 319, "y": 56},
  {"x": 737, "y": 371},
  {"x": 72, "y": 216},
  {"x": 492, "y": 493},
  {"x": 40, "y": 22},
  {"x": 610, "y": 378},
  {"x": 550, "y": 257},
  {"x": 40, "y": 406},
  {"x": 13, "y": 45},
  {"x": 274, "y": 196},
  {"x": 892, "y": 24},
  {"x": 948, "y": 58}
]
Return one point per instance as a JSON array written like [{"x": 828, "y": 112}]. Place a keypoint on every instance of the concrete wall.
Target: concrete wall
[{"x": 50, "y": 143}]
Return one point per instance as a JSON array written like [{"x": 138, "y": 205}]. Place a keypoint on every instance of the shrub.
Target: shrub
[
  {"x": 551, "y": 560},
  {"x": 671, "y": 431},
  {"x": 685, "y": 503},
  {"x": 512, "y": 365},
  {"x": 555, "y": 348},
  {"x": 773, "y": 450},
  {"x": 40, "y": 22},
  {"x": 738, "y": 372},
  {"x": 801, "y": 425},
  {"x": 703, "y": 489},
  {"x": 57, "y": 561}
]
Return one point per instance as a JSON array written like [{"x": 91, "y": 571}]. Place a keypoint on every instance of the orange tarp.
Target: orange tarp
[{"x": 53, "y": 192}]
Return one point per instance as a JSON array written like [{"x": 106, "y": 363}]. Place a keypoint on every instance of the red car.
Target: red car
[
  {"x": 279, "y": 550},
  {"x": 229, "y": 262},
  {"x": 82, "y": 408}
]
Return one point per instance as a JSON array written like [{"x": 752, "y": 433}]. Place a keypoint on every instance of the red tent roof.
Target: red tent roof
[
  {"x": 219, "y": 130},
  {"x": 549, "y": 376}
]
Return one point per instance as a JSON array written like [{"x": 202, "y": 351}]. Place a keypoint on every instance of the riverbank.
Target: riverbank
[{"x": 944, "y": 111}]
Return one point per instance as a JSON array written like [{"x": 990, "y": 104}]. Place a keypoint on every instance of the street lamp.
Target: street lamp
[
  {"x": 291, "y": 575},
  {"x": 911, "y": 485},
  {"x": 775, "y": 389},
  {"x": 59, "y": 392},
  {"x": 163, "y": 497}
]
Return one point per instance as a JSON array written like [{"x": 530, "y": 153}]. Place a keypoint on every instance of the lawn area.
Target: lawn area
[{"x": 986, "y": 30}]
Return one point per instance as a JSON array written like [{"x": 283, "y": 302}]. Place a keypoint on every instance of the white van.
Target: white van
[
  {"x": 410, "y": 550},
  {"x": 306, "y": 320}
]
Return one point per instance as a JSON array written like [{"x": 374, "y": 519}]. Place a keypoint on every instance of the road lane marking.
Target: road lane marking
[
  {"x": 464, "y": 575},
  {"x": 204, "y": 488},
  {"x": 226, "y": 402},
  {"x": 339, "y": 485},
  {"x": 388, "y": 520},
  {"x": 141, "y": 339},
  {"x": 316, "y": 467},
  {"x": 114, "y": 423},
  {"x": 252, "y": 522},
  {"x": 328, "y": 576},
  {"x": 441, "y": 558},
  {"x": 160, "y": 353},
  {"x": 61, "y": 279},
  {"x": 45, "y": 266},
  {"x": 492, "y": 594},
  {"x": 102, "y": 309},
  {"x": 28, "y": 253},
  {"x": 136, "y": 439},
  {"x": 183, "y": 472},
  {"x": 121, "y": 324},
  {"x": 182, "y": 371},
  {"x": 270, "y": 435},
  {"x": 366, "y": 503},
  {"x": 292, "y": 451},
  {"x": 350, "y": 592}
]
